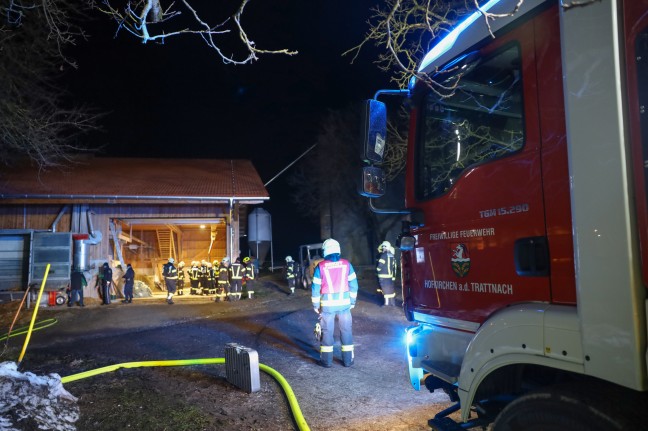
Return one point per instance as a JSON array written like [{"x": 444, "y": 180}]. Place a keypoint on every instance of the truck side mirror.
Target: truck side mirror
[
  {"x": 374, "y": 131},
  {"x": 373, "y": 182}
]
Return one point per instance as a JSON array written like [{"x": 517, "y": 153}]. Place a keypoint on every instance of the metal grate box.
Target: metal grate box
[{"x": 242, "y": 367}]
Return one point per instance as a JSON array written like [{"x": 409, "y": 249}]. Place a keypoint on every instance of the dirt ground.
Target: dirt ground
[{"x": 374, "y": 394}]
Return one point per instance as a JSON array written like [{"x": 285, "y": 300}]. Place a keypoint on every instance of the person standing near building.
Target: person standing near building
[
  {"x": 181, "y": 278},
  {"x": 194, "y": 277},
  {"x": 77, "y": 283},
  {"x": 386, "y": 271},
  {"x": 106, "y": 283},
  {"x": 291, "y": 274},
  {"x": 249, "y": 272},
  {"x": 129, "y": 282},
  {"x": 236, "y": 275},
  {"x": 333, "y": 294},
  {"x": 170, "y": 274},
  {"x": 215, "y": 272},
  {"x": 222, "y": 292}
]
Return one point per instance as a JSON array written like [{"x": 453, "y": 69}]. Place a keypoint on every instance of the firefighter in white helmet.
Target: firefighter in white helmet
[
  {"x": 386, "y": 271},
  {"x": 291, "y": 273},
  {"x": 194, "y": 277},
  {"x": 334, "y": 294}
]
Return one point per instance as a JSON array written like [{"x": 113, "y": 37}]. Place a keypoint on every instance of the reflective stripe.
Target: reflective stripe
[
  {"x": 334, "y": 302},
  {"x": 317, "y": 280},
  {"x": 353, "y": 294},
  {"x": 347, "y": 348},
  {"x": 315, "y": 300},
  {"x": 326, "y": 349},
  {"x": 390, "y": 295},
  {"x": 352, "y": 277},
  {"x": 384, "y": 276}
]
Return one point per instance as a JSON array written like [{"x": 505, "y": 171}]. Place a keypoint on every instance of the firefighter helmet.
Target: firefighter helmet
[
  {"x": 289, "y": 259},
  {"x": 181, "y": 264},
  {"x": 171, "y": 260},
  {"x": 330, "y": 246},
  {"x": 226, "y": 259},
  {"x": 246, "y": 259},
  {"x": 385, "y": 246}
]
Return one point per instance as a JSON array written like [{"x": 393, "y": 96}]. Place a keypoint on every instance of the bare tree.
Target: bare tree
[
  {"x": 35, "y": 120},
  {"x": 152, "y": 21},
  {"x": 326, "y": 184}
]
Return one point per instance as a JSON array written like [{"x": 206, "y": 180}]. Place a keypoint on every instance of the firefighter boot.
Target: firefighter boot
[
  {"x": 326, "y": 358},
  {"x": 347, "y": 356}
]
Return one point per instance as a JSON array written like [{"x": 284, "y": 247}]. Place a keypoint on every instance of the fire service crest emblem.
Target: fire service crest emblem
[{"x": 460, "y": 260}]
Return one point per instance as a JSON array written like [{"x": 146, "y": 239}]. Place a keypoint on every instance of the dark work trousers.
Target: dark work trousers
[{"x": 345, "y": 323}]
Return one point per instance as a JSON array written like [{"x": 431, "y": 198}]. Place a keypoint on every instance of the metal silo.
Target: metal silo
[{"x": 260, "y": 233}]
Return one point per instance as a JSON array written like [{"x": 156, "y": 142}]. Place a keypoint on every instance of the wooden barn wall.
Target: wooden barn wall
[{"x": 42, "y": 217}]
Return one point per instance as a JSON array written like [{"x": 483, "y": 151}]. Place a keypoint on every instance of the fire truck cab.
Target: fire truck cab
[{"x": 526, "y": 274}]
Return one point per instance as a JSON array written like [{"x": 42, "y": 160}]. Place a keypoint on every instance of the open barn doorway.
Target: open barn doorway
[{"x": 148, "y": 243}]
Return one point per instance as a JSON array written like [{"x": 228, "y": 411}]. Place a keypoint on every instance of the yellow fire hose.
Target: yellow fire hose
[
  {"x": 292, "y": 400},
  {"x": 290, "y": 395}
]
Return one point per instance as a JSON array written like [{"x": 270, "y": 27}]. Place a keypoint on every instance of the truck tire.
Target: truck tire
[{"x": 560, "y": 409}]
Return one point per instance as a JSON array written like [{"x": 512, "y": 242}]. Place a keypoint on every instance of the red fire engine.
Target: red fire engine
[{"x": 524, "y": 262}]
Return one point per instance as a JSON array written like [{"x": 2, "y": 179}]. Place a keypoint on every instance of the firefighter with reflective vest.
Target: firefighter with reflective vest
[
  {"x": 181, "y": 278},
  {"x": 386, "y": 271},
  {"x": 291, "y": 274},
  {"x": 170, "y": 274},
  {"x": 334, "y": 293},
  {"x": 204, "y": 277},
  {"x": 222, "y": 291},
  {"x": 249, "y": 276},
  {"x": 236, "y": 276},
  {"x": 194, "y": 277},
  {"x": 215, "y": 270}
]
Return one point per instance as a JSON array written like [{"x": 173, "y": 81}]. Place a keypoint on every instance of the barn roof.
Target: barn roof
[{"x": 121, "y": 180}]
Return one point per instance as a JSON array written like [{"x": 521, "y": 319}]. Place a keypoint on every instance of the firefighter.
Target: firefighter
[
  {"x": 222, "y": 292},
  {"x": 210, "y": 289},
  {"x": 194, "y": 277},
  {"x": 249, "y": 276},
  {"x": 291, "y": 274},
  {"x": 170, "y": 273},
  {"x": 129, "y": 278},
  {"x": 106, "y": 283},
  {"x": 386, "y": 271},
  {"x": 236, "y": 275},
  {"x": 181, "y": 278},
  {"x": 334, "y": 293},
  {"x": 216, "y": 271},
  {"x": 204, "y": 277}
]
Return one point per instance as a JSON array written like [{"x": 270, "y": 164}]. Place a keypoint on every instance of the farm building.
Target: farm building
[{"x": 121, "y": 210}]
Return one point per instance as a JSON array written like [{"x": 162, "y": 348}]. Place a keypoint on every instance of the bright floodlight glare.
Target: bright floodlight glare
[{"x": 447, "y": 42}]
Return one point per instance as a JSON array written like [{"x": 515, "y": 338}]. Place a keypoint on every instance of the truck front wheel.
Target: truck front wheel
[{"x": 559, "y": 409}]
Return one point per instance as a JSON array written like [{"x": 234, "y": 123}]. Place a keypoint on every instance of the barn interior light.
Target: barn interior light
[{"x": 202, "y": 226}]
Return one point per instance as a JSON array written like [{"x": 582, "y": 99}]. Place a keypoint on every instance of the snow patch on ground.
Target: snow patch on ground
[{"x": 28, "y": 401}]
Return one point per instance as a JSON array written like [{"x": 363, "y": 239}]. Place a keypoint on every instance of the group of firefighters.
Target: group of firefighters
[
  {"x": 223, "y": 279},
  {"x": 334, "y": 289}
]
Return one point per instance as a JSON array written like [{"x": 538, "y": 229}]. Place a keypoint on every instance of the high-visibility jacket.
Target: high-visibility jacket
[
  {"x": 170, "y": 271},
  {"x": 194, "y": 273},
  {"x": 335, "y": 286},
  {"x": 249, "y": 271},
  {"x": 237, "y": 271},
  {"x": 291, "y": 269},
  {"x": 223, "y": 275},
  {"x": 181, "y": 274},
  {"x": 386, "y": 267}
]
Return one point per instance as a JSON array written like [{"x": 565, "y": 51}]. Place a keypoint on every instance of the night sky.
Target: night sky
[{"x": 180, "y": 100}]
